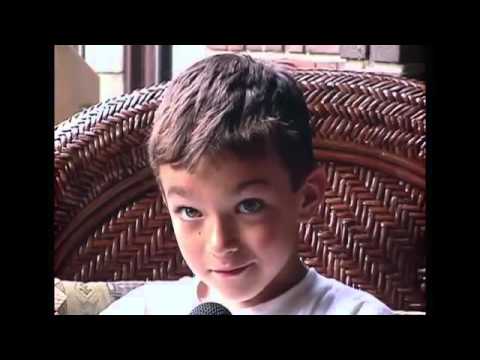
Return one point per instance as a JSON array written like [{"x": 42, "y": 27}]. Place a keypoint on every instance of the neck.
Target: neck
[{"x": 292, "y": 273}]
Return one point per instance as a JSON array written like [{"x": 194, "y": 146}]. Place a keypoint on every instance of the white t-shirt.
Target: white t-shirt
[{"x": 313, "y": 295}]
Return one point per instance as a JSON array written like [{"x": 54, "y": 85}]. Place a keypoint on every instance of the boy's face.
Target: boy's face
[{"x": 236, "y": 222}]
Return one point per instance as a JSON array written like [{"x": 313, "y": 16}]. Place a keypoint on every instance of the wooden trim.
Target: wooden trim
[
  {"x": 146, "y": 65},
  {"x": 164, "y": 63}
]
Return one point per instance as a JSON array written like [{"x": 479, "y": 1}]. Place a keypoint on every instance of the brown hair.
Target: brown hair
[{"x": 232, "y": 102}]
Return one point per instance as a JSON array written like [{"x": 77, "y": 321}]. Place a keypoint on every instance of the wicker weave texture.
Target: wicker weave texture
[{"x": 369, "y": 133}]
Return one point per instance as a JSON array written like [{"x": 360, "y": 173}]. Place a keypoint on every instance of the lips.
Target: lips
[{"x": 231, "y": 270}]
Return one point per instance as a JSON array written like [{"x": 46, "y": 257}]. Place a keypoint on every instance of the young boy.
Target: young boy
[{"x": 231, "y": 148}]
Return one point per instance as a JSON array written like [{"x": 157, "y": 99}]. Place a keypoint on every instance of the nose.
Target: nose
[{"x": 223, "y": 240}]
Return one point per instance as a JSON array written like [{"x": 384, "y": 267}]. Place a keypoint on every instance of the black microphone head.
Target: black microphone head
[{"x": 210, "y": 308}]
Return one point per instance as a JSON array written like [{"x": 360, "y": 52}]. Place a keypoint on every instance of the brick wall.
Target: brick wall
[{"x": 399, "y": 60}]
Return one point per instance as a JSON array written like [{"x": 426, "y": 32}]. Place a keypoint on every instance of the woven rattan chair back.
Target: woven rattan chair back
[{"x": 369, "y": 132}]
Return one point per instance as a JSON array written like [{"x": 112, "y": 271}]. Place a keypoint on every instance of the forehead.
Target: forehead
[{"x": 225, "y": 171}]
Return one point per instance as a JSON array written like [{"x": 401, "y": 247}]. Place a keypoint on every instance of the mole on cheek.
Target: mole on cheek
[{"x": 199, "y": 233}]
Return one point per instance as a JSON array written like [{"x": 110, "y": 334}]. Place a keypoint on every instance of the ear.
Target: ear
[{"x": 311, "y": 193}]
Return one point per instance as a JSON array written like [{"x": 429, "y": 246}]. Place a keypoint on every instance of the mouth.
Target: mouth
[{"x": 231, "y": 271}]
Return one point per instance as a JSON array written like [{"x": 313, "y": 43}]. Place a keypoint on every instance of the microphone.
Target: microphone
[{"x": 210, "y": 308}]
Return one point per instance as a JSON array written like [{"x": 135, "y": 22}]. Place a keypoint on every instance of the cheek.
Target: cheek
[
  {"x": 274, "y": 233},
  {"x": 188, "y": 240}
]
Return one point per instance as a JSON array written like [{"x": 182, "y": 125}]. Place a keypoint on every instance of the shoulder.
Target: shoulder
[
  {"x": 333, "y": 297},
  {"x": 171, "y": 297},
  {"x": 132, "y": 303},
  {"x": 155, "y": 297}
]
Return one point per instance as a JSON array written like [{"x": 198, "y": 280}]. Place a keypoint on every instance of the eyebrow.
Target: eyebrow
[
  {"x": 177, "y": 190},
  {"x": 180, "y": 191}
]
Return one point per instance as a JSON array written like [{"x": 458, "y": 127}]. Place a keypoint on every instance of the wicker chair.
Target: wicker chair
[{"x": 369, "y": 131}]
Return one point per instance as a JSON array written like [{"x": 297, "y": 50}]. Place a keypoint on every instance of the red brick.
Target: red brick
[
  {"x": 323, "y": 49},
  {"x": 286, "y": 64},
  {"x": 354, "y": 51},
  {"x": 295, "y": 48},
  {"x": 397, "y": 53},
  {"x": 254, "y": 47},
  {"x": 236, "y": 47},
  {"x": 217, "y": 47},
  {"x": 276, "y": 48},
  {"x": 326, "y": 66},
  {"x": 297, "y": 63}
]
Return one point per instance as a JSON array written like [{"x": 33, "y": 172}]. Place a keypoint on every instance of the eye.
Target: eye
[
  {"x": 188, "y": 212},
  {"x": 251, "y": 206}
]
